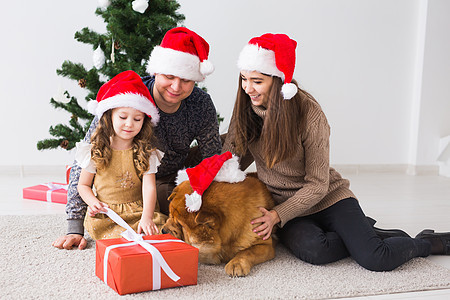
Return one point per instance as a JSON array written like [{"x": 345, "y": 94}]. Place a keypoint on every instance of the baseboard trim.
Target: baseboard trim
[
  {"x": 388, "y": 168},
  {"x": 32, "y": 170},
  {"x": 344, "y": 168}
]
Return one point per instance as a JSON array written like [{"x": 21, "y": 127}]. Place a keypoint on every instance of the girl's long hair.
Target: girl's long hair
[
  {"x": 143, "y": 144},
  {"x": 280, "y": 131}
]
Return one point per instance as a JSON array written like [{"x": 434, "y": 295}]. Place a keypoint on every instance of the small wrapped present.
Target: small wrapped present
[
  {"x": 50, "y": 192},
  {"x": 137, "y": 263}
]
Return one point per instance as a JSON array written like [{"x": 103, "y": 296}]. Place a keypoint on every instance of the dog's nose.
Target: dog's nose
[{"x": 163, "y": 230}]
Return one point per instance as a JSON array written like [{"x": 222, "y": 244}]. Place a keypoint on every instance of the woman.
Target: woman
[{"x": 286, "y": 132}]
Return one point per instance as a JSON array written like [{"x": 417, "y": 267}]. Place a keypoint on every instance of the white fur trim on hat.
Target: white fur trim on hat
[
  {"x": 136, "y": 101},
  {"x": 255, "y": 58},
  {"x": 193, "y": 202},
  {"x": 289, "y": 90},
  {"x": 177, "y": 63},
  {"x": 181, "y": 176},
  {"x": 230, "y": 171}
]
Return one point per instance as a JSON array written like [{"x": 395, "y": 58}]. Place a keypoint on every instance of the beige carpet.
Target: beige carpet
[{"x": 31, "y": 268}]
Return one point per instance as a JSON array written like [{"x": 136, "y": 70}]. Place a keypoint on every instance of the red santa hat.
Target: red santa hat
[
  {"x": 182, "y": 53},
  {"x": 271, "y": 54},
  {"x": 126, "y": 89},
  {"x": 224, "y": 168}
]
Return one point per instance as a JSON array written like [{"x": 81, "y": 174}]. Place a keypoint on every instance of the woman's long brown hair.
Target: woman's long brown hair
[
  {"x": 280, "y": 131},
  {"x": 143, "y": 144}
]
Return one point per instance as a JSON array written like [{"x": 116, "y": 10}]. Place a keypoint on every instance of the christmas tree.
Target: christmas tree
[{"x": 133, "y": 28}]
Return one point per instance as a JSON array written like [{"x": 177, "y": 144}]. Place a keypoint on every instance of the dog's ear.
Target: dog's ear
[
  {"x": 174, "y": 192},
  {"x": 206, "y": 218}
]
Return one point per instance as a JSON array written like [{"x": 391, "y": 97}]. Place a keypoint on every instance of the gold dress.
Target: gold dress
[{"x": 120, "y": 187}]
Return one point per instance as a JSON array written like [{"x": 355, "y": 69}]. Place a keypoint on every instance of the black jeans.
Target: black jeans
[{"x": 342, "y": 230}]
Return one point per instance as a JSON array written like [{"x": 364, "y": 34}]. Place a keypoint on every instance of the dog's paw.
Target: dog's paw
[{"x": 237, "y": 268}]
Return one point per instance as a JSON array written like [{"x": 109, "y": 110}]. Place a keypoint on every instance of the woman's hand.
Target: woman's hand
[
  {"x": 96, "y": 208},
  {"x": 268, "y": 220},
  {"x": 147, "y": 226}
]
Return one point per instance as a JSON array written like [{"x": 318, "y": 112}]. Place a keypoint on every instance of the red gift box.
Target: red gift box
[
  {"x": 131, "y": 269},
  {"x": 50, "y": 192}
]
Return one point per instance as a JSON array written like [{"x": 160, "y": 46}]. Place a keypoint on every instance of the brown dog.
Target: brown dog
[{"x": 221, "y": 229}]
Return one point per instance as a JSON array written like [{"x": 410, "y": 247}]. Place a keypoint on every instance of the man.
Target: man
[{"x": 187, "y": 113}]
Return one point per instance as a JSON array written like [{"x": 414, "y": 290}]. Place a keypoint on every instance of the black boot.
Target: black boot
[
  {"x": 371, "y": 221},
  {"x": 386, "y": 233},
  {"x": 440, "y": 242}
]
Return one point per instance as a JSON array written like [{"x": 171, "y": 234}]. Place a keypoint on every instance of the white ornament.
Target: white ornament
[
  {"x": 98, "y": 58},
  {"x": 103, "y": 77},
  {"x": 61, "y": 96},
  {"x": 104, "y": 4},
  {"x": 140, "y": 5}
]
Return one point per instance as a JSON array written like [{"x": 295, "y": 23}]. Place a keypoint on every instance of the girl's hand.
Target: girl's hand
[
  {"x": 268, "y": 220},
  {"x": 147, "y": 226},
  {"x": 96, "y": 208}
]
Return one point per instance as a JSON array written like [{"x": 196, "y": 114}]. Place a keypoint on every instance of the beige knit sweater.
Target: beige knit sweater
[{"x": 304, "y": 184}]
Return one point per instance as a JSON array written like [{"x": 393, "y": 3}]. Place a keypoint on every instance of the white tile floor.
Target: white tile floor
[{"x": 395, "y": 200}]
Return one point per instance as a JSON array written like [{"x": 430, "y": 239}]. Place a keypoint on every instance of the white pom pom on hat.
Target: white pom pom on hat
[
  {"x": 206, "y": 67},
  {"x": 193, "y": 202},
  {"x": 272, "y": 54},
  {"x": 92, "y": 107},
  {"x": 289, "y": 90}
]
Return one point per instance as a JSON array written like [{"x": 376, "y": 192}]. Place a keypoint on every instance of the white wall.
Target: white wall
[
  {"x": 434, "y": 116},
  {"x": 359, "y": 58},
  {"x": 36, "y": 38},
  {"x": 355, "y": 57}
]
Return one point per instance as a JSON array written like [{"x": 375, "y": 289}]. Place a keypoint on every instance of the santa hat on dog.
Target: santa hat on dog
[
  {"x": 224, "y": 168},
  {"x": 182, "y": 53},
  {"x": 124, "y": 90},
  {"x": 271, "y": 54}
]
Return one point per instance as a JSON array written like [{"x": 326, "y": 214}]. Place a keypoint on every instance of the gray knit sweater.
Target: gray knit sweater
[{"x": 304, "y": 184}]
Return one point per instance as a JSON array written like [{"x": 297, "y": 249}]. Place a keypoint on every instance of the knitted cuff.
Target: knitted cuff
[{"x": 75, "y": 226}]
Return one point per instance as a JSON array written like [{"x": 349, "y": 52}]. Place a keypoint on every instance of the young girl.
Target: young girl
[
  {"x": 121, "y": 160},
  {"x": 286, "y": 132}
]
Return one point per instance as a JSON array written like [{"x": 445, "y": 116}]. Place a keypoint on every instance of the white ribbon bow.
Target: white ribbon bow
[
  {"x": 53, "y": 187},
  {"x": 158, "y": 260}
]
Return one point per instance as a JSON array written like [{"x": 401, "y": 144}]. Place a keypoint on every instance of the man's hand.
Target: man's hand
[{"x": 69, "y": 241}]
